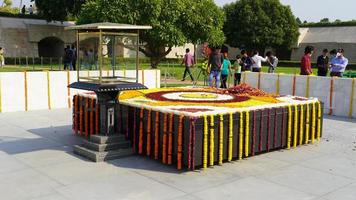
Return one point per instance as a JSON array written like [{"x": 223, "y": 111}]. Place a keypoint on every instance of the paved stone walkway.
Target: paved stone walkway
[{"x": 36, "y": 162}]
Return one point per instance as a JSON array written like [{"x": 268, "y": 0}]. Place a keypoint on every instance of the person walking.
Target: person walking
[
  {"x": 272, "y": 61},
  {"x": 237, "y": 68},
  {"x": 188, "y": 62},
  {"x": 246, "y": 60},
  {"x": 305, "y": 65},
  {"x": 338, "y": 64},
  {"x": 74, "y": 57},
  {"x": 30, "y": 10},
  {"x": 225, "y": 71},
  {"x": 257, "y": 61},
  {"x": 2, "y": 58},
  {"x": 216, "y": 60},
  {"x": 323, "y": 63},
  {"x": 23, "y": 10},
  {"x": 68, "y": 58}
]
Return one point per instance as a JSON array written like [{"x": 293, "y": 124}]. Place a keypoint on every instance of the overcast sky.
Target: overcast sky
[{"x": 310, "y": 10}]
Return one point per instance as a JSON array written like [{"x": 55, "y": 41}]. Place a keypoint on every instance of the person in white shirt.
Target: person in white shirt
[{"x": 257, "y": 61}]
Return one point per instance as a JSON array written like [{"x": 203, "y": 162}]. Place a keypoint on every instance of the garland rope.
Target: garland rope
[
  {"x": 164, "y": 140},
  {"x": 261, "y": 130},
  {"x": 205, "y": 143},
  {"x": 140, "y": 136},
  {"x": 301, "y": 128},
  {"x": 241, "y": 136},
  {"x": 295, "y": 126},
  {"x": 231, "y": 124},
  {"x": 134, "y": 131},
  {"x": 352, "y": 97},
  {"x": 275, "y": 129},
  {"x": 170, "y": 138},
  {"x": 253, "y": 133},
  {"x": 268, "y": 129},
  {"x": 307, "y": 125},
  {"x": 180, "y": 142},
  {"x": 221, "y": 139},
  {"x": 331, "y": 95},
  {"x": 289, "y": 126},
  {"x": 148, "y": 146},
  {"x": 313, "y": 122},
  {"x": 156, "y": 136},
  {"x": 211, "y": 140},
  {"x": 319, "y": 121},
  {"x": 247, "y": 134}
]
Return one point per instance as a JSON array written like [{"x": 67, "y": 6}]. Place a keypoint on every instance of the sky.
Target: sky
[{"x": 310, "y": 10}]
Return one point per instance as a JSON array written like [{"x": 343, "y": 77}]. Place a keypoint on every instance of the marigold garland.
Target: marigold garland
[
  {"x": 221, "y": 139},
  {"x": 205, "y": 143},
  {"x": 295, "y": 126},
  {"x": 156, "y": 136},
  {"x": 164, "y": 139},
  {"x": 180, "y": 142},
  {"x": 247, "y": 134},
  {"x": 313, "y": 123},
  {"x": 211, "y": 140},
  {"x": 148, "y": 145},
  {"x": 170, "y": 138},
  {"x": 319, "y": 121},
  {"x": 86, "y": 118},
  {"x": 231, "y": 126},
  {"x": 289, "y": 127},
  {"x": 241, "y": 136},
  {"x": 301, "y": 128},
  {"x": 268, "y": 129},
  {"x": 140, "y": 136},
  {"x": 307, "y": 125}
]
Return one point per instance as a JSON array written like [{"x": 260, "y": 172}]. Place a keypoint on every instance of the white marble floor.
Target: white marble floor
[{"x": 36, "y": 162}]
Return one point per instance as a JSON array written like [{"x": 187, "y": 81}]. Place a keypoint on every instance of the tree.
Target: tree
[
  {"x": 7, "y": 3},
  {"x": 257, "y": 24},
  {"x": 299, "y": 21},
  {"x": 325, "y": 20},
  {"x": 58, "y": 9},
  {"x": 337, "y": 21},
  {"x": 305, "y": 22},
  {"x": 174, "y": 22}
]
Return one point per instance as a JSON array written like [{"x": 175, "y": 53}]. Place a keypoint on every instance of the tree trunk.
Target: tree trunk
[{"x": 155, "y": 61}]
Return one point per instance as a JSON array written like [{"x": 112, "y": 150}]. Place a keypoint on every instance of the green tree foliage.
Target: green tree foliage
[
  {"x": 58, "y": 9},
  {"x": 257, "y": 24},
  {"x": 325, "y": 20},
  {"x": 174, "y": 22},
  {"x": 336, "y": 23},
  {"x": 7, "y": 3},
  {"x": 299, "y": 21}
]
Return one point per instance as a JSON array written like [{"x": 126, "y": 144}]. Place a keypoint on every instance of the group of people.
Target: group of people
[
  {"x": 29, "y": 10},
  {"x": 335, "y": 64},
  {"x": 220, "y": 67},
  {"x": 70, "y": 58}
]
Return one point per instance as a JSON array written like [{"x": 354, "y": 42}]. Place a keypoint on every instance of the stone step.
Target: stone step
[
  {"x": 102, "y": 139},
  {"x": 101, "y": 156},
  {"x": 106, "y": 147}
]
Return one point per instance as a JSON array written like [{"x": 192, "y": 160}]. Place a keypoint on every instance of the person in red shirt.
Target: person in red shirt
[{"x": 305, "y": 65}]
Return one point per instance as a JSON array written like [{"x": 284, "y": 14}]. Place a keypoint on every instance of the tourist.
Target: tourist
[
  {"x": 272, "y": 61},
  {"x": 332, "y": 54},
  {"x": 305, "y": 65},
  {"x": 23, "y": 10},
  {"x": 2, "y": 58},
  {"x": 257, "y": 61},
  {"x": 216, "y": 59},
  {"x": 237, "y": 68},
  {"x": 225, "y": 71},
  {"x": 338, "y": 64},
  {"x": 323, "y": 63},
  {"x": 188, "y": 62},
  {"x": 74, "y": 58},
  {"x": 246, "y": 60},
  {"x": 68, "y": 58},
  {"x": 30, "y": 10}
]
